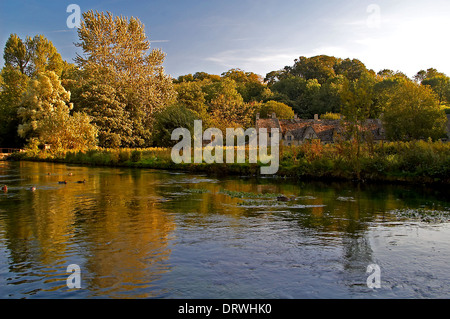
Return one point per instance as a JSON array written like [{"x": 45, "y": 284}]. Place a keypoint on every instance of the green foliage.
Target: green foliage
[
  {"x": 446, "y": 109},
  {"x": 32, "y": 56},
  {"x": 330, "y": 116},
  {"x": 45, "y": 96},
  {"x": 282, "y": 110},
  {"x": 416, "y": 161},
  {"x": 105, "y": 105},
  {"x": 249, "y": 85},
  {"x": 413, "y": 112},
  {"x": 45, "y": 116},
  {"x": 169, "y": 119},
  {"x": 136, "y": 156},
  {"x": 191, "y": 95},
  {"x": 135, "y": 77},
  {"x": 440, "y": 85},
  {"x": 320, "y": 68}
]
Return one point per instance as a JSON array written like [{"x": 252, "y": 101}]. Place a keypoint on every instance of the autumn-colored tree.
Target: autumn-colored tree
[
  {"x": 33, "y": 55},
  {"x": 357, "y": 105},
  {"x": 108, "y": 111},
  {"x": 321, "y": 68},
  {"x": 67, "y": 132},
  {"x": 440, "y": 84},
  {"x": 116, "y": 53},
  {"x": 281, "y": 110},
  {"x": 191, "y": 95},
  {"x": 24, "y": 59},
  {"x": 227, "y": 108},
  {"x": 45, "y": 117},
  {"x": 413, "y": 112}
]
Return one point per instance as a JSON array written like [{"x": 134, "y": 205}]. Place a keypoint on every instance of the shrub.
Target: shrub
[
  {"x": 136, "y": 156},
  {"x": 124, "y": 156}
]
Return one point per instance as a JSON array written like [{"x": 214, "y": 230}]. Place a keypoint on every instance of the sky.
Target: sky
[{"x": 258, "y": 36}]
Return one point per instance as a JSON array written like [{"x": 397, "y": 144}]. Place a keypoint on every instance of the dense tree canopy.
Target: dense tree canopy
[
  {"x": 281, "y": 110},
  {"x": 33, "y": 55},
  {"x": 413, "y": 112},
  {"x": 117, "y": 57},
  {"x": 121, "y": 96},
  {"x": 44, "y": 114}
]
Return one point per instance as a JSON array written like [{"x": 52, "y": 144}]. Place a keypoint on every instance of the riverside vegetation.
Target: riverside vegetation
[
  {"x": 89, "y": 117},
  {"x": 414, "y": 161}
]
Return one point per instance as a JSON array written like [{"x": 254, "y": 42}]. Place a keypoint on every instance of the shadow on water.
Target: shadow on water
[{"x": 139, "y": 233}]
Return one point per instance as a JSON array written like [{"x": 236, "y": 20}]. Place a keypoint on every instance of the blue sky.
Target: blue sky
[{"x": 259, "y": 35}]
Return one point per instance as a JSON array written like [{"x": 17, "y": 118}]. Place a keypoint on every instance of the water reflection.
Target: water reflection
[{"x": 140, "y": 233}]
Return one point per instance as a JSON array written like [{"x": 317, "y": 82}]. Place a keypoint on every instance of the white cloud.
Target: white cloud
[{"x": 258, "y": 61}]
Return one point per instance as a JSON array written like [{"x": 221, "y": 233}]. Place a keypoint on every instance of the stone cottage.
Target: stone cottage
[{"x": 297, "y": 131}]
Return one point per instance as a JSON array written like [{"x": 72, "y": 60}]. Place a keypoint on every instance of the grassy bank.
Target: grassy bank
[{"x": 418, "y": 161}]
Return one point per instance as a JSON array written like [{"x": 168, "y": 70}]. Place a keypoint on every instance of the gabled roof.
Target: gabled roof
[
  {"x": 268, "y": 123},
  {"x": 324, "y": 129}
]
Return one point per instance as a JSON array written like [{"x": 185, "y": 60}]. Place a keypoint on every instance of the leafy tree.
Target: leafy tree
[
  {"x": 253, "y": 91},
  {"x": 64, "y": 131},
  {"x": 227, "y": 108},
  {"x": 351, "y": 69},
  {"x": 321, "y": 68},
  {"x": 240, "y": 76},
  {"x": 282, "y": 110},
  {"x": 45, "y": 115},
  {"x": 200, "y": 76},
  {"x": 275, "y": 76},
  {"x": 12, "y": 87},
  {"x": 16, "y": 54},
  {"x": 384, "y": 86},
  {"x": 169, "y": 119},
  {"x": 420, "y": 76},
  {"x": 413, "y": 112},
  {"x": 357, "y": 101},
  {"x": 32, "y": 56},
  {"x": 313, "y": 85},
  {"x": 104, "y": 104},
  {"x": 440, "y": 84},
  {"x": 330, "y": 95},
  {"x": 289, "y": 90},
  {"x": 357, "y": 107},
  {"x": 191, "y": 95},
  {"x": 184, "y": 78},
  {"x": 309, "y": 103},
  {"x": 116, "y": 53}
]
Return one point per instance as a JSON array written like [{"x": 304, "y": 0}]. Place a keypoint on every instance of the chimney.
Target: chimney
[
  {"x": 274, "y": 115},
  {"x": 316, "y": 117}
]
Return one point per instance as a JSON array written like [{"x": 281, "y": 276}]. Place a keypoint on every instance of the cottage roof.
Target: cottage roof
[
  {"x": 324, "y": 129},
  {"x": 268, "y": 123}
]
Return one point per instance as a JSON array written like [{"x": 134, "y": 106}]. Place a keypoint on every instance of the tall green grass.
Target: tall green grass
[{"x": 416, "y": 161}]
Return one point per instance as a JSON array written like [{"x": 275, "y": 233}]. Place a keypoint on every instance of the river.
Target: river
[{"x": 141, "y": 233}]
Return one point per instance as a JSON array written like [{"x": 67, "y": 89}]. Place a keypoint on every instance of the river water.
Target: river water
[{"x": 140, "y": 233}]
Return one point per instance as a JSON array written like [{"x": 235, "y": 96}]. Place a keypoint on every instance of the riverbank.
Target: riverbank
[{"x": 411, "y": 162}]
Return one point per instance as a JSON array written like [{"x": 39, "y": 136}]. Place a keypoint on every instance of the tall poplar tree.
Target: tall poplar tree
[{"x": 116, "y": 54}]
